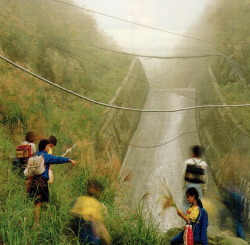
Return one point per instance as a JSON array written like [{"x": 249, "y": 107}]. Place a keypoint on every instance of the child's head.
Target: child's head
[
  {"x": 53, "y": 141},
  {"x": 44, "y": 145},
  {"x": 30, "y": 137},
  {"x": 94, "y": 188},
  {"x": 196, "y": 151},
  {"x": 192, "y": 195}
]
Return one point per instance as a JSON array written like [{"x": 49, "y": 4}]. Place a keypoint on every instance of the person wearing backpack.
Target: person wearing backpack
[
  {"x": 39, "y": 186},
  {"x": 197, "y": 216},
  {"x": 195, "y": 173},
  {"x": 30, "y": 138},
  {"x": 24, "y": 151}
]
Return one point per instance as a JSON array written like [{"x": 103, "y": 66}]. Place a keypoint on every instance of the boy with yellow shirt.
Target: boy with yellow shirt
[{"x": 88, "y": 220}]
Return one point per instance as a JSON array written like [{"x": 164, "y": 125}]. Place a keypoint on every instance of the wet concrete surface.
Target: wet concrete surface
[{"x": 152, "y": 169}]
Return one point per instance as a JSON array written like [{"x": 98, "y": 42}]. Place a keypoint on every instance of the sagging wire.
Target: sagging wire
[{"x": 114, "y": 106}]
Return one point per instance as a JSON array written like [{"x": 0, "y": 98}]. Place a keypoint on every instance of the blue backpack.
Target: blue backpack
[{"x": 200, "y": 228}]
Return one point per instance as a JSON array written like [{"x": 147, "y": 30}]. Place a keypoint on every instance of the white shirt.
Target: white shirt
[{"x": 200, "y": 163}]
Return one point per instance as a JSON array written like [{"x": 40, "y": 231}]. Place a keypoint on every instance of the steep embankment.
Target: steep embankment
[
  {"x": 224, "y": 132},
  {"x": 56, "y": 42}
]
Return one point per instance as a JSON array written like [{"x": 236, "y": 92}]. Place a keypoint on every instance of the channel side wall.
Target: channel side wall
[
  {"x": 119, "y": 125},
  {"x": 226, "y": 145}
]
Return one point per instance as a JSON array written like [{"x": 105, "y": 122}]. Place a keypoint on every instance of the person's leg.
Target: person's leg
[
  {"x": 178, "y": 239},
  {"x": 42, "y": 196},
  {"x": 37, "y": 212},
  {"x": 86, "y": 233},
  {"x": 239, "y": 229}
]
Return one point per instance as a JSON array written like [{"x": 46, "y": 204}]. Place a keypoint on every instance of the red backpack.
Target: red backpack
[{"x": 23, "y": 151}]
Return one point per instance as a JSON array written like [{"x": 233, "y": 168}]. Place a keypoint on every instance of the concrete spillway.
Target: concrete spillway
[{"x": 152, "y": 168}]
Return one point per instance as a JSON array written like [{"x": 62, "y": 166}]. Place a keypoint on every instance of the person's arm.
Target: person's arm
[
  {"x": 192, "y": 216},
  {"x": 182, "y": 215},
  {"x": 50, "y": 159}
]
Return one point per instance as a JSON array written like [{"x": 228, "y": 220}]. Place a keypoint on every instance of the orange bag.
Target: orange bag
[
  {"x": 188, "y": 236},
  {"x": 23, "y": 151}
]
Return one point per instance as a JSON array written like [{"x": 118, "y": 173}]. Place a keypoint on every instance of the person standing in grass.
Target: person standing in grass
[
  {"x": 39, "y": 186},
  {"x": 88, "y": 221}
]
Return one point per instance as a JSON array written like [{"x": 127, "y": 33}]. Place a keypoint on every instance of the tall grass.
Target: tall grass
[{"x": 17, "y": 227}]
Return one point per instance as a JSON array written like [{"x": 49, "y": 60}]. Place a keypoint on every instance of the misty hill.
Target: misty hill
[{"x": 56, "y": 42}]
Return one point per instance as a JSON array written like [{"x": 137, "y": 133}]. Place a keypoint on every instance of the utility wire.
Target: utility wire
[
  {"x": 113, "y": 106},
  {"x": 152, "y": 83},
  {"x": 232, "y": 62},
  {"x": 71, "y": 53},
  {"x": 132, "y": 22},
  {"x": 165, "y": 143}
]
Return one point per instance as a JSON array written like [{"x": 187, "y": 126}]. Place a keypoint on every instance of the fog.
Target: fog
[{"x": 170, "y": 15}]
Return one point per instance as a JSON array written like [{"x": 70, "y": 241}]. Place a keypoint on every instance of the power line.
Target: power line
[
  {"x": 113, "y": 106},
  {"x": 77, "y": 55},
  {"x": 73, "y": 54},
  {"x": 152, "y": 83},
  {"x": 235, "y": 67},
  {"x": 163, "y": 88},
  {"x": 132, "y": 22},
  {"x": 165, "y": 143}
]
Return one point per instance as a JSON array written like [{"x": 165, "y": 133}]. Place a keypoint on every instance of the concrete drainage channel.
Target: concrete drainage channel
[{"x": 155, "y": 172}]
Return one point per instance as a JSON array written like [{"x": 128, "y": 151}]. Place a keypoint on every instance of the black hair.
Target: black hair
[
  {"x": 42, "y": 144},
  {"x": 30, "y": 137},
  {"x": 193, "y": 192},
  {"x": 93, "y": 184},
  {"x": 197, "y": 151},
  {"x": 53, "y": 140}
]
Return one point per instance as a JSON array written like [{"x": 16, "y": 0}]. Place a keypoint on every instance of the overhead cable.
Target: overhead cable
[
  {"x": 232, "y": 62},
  {"x": 114, "y": 106},
  {"x": 135, "y": 23},
  {"x": 165, "y": 143}
]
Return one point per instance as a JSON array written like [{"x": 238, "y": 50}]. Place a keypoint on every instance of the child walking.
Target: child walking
[
  {"x": 88, "y": 217},
  {"x": 196, "y": 216}
]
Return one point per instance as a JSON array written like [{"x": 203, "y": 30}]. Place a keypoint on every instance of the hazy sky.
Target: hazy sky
[{"x": 172, "y": 15}]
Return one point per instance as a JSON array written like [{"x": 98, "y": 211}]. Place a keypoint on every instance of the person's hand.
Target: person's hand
[{"x": 73, "y": 162}]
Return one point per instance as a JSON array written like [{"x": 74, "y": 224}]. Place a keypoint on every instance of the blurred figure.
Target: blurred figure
[
  {"x": 30, "y": 138},
  {"x": 88, "y": 220},
  {"x": 233, "y": 200},
  {"x": 53, "y": 142},
  {"x": 195, "y": 173}
]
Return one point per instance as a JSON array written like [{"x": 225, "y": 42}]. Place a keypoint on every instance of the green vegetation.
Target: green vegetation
[
  {"x": 228, "y": 23},
  {"x": 56, "y": 42}
]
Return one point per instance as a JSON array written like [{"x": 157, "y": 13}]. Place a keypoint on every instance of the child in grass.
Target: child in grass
[
  {"x": 194, "y": 213},
  {"x": 88, "y": 221}
]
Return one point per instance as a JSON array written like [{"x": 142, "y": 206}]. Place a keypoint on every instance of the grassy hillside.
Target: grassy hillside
[
  {"x": 56, "y": 42},
  {"x": 227, "y": 23}
]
